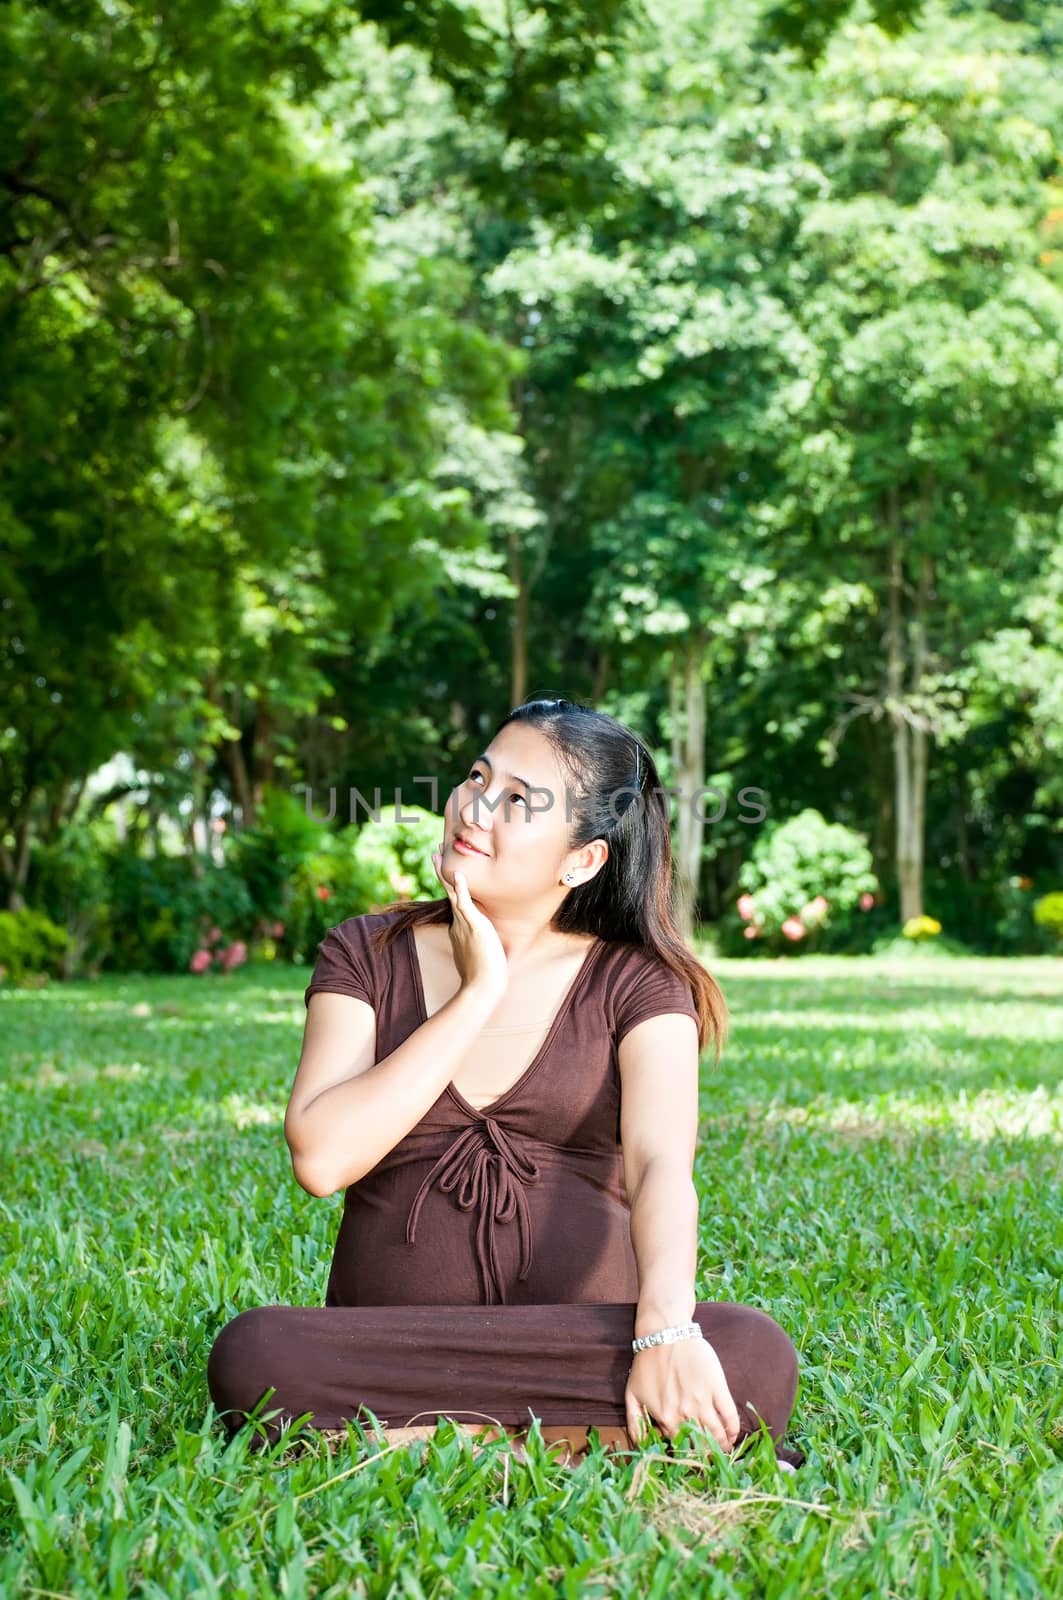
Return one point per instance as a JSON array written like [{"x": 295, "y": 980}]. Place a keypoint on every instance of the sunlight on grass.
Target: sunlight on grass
[{"x": 989, "y": 1115}]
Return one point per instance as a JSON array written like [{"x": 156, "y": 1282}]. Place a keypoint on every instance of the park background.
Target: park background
[{"x": 365, "y": 370}]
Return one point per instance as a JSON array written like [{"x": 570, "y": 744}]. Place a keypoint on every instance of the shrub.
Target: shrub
[
  {"x": 806, "y": 877},
  {"x": 359, "y": 871},
  {"x": 162, "y": 909},
  {"x": 31, "y": 946},
  {"x": 270, "y": 856},
  {"x": 994, "y": 916},
  {"x": 403, "y": 850},
  {"x": 1048, "y": 913},
  {"x": 69, "y": 883}
]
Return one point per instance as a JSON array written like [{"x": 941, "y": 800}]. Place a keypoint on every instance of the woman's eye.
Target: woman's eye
[{"x": 514, "y": 795}]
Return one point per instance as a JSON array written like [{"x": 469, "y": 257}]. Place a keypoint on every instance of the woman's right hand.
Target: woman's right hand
[{"x": 478, "y": 953}]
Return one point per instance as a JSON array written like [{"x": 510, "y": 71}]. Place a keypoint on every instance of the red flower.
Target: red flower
[{"x": 323, "y": 893}]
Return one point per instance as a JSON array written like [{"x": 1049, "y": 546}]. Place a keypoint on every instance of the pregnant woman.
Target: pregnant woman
[{"x": 504, "y": 1082}]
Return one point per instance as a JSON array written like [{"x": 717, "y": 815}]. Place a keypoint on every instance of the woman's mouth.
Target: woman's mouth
[{"x": 467, "y": 849}]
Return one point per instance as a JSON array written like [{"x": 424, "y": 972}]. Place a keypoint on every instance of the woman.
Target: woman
[{"x": 505, "y": 1084}]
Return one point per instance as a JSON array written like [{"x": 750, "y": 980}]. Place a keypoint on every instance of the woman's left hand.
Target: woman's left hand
[{"x": 677, "y": 1383}]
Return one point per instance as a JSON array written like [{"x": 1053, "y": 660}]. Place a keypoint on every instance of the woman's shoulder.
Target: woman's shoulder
[
  {"x": 349, "y": 957},
  {"x": 622, "y": 959},
  {"x": 636, "y": 982},
  {"x": 362, "y": 927}
]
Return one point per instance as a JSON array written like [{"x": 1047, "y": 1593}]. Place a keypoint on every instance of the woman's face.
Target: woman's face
[{"x": 513, "y": 805}]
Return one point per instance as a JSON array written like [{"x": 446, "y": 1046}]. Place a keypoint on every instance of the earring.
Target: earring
[{"x": 568, "y": 877}]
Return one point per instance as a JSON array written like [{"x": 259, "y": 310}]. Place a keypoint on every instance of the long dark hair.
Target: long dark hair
[{"x": 617, "y": 796}]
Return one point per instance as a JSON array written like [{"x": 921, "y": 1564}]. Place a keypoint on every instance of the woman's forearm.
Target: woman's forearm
[
  {"x": 347, "y": 1129},
  {"x": 664, "y": 1237}
]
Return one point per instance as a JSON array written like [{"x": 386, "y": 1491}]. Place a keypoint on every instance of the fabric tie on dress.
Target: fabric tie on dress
[{"x": 492, "y": 1173}]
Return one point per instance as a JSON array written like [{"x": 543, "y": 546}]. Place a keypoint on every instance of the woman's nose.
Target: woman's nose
[{"x": 474, "y": 814}]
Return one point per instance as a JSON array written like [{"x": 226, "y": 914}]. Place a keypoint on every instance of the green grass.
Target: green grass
[{"x": 879, "y": 1168}]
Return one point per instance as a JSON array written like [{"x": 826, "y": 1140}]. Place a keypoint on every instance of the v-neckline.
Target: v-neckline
[{"x": 559, "y": 1016}]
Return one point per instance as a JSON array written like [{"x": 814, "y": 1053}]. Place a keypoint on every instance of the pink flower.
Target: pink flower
[
  {"x": 214, "y": 935},
  {"x": 277, "y": 929},
  {"x": 746, "y": 906},
  {"x": 218, "y": 824},
  {"x": 794, "y": 928},
  {"x": 323, "y": 893},
  {"x": 866, "y": 901},
  {"x": 200, "y": 961},
  {"x": 750, "y": 933},
  {"x": 234, "y": 955}
]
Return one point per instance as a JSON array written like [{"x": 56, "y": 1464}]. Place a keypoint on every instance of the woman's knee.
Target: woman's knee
[
  {"x": 759, "y": 1361},
  {"x": 777, "y": 1366},
  {"x": 238, "y": 1364}
]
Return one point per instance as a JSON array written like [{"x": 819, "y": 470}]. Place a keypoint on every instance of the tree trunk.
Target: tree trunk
[
  {"x": 601, "y": 677},
  {"x": 686, "y": 695},
  {"x": 232, "y": 754},
  {"x": 920, "y": 741},
  {"x": 518, "y": 670},
  {"x": 18, "y": 868},
  {"x": 262, "y": 751},
  {"x": 909, "y": 742},
  {"x": 196, "y": 849},
  {"x": 963, "y": 847}
]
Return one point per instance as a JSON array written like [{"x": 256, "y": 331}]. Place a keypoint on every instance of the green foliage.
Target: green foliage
[
  {"x": 162, "y": 909},
  {"x": 991, "y": 917},
  {"x": 405, "y": 842},
  {"x": 362, "y": 869},
  {"x": 338, "y": 340},
  {"x": 809, "y": 29},
  {"x": 803, "y": 874},
  {"x": 225, "y": 412},
  {"x": 69, "y": 882},
  {"x": 326, "y": 889},
  {"x": 31, "y": 946},
  {"x": 269, "y": 854},
  {"x": 1048, "y": 913}
]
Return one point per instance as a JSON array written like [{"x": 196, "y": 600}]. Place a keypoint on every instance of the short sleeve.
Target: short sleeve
[
  {"x": 343, "y": 965},
  {"x": 651, "y": 990}
]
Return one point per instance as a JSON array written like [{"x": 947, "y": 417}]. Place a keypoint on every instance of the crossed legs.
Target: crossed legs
[{"x": 411, "y": 1364}]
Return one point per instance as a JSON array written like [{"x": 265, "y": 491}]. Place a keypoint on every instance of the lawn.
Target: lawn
[{"x": 879, "y": 1167}]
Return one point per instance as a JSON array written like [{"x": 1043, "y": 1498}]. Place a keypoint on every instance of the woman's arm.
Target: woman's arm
[
  {"x": 658, "y": 1061},
  {"x": 337, "y": 1131},
  {"x": 664, "y": 1237}
]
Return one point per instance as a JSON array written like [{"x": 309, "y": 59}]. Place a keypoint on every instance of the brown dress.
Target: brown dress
[{"x": 484, "y": 1267}]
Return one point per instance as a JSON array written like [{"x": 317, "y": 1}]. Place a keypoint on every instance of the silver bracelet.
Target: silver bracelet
[{"x": 684, "y": 1330}]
